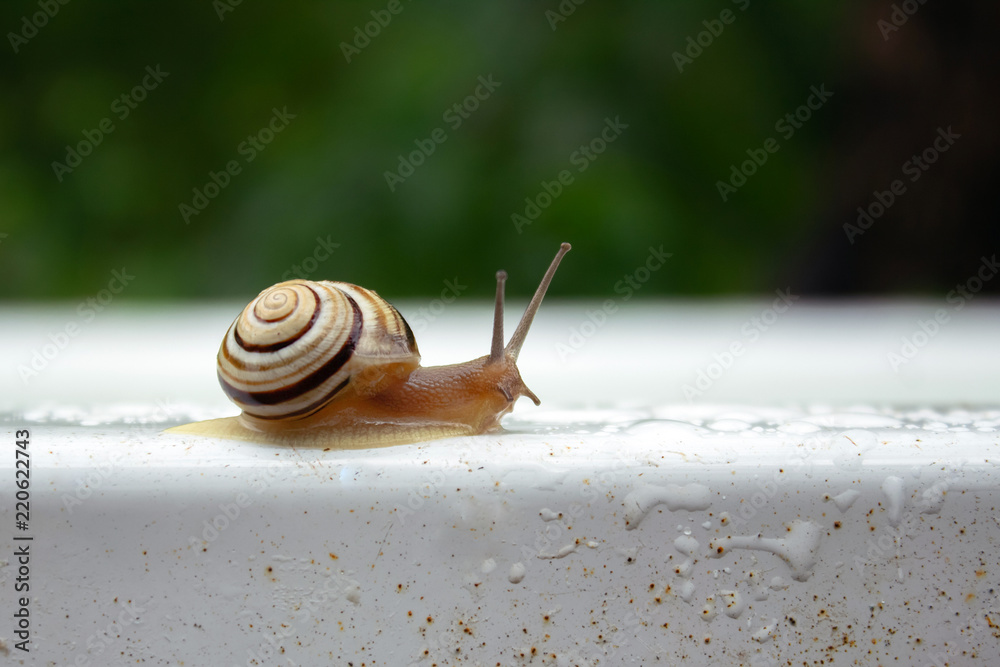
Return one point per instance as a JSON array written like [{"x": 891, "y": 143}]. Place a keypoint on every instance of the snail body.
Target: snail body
[{"x": 331, "y": 364}]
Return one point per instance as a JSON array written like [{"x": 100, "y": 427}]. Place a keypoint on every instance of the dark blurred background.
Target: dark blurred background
[{"x": 315, "y": 200}]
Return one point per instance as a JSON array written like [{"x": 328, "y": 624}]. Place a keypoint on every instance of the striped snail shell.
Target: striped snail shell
[{"x": 299, "y": 343}]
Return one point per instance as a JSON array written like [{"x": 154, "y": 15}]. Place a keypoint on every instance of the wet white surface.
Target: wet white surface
[
  {"x": 644, "y": 354},
  {"x": 800, "y": 518}
]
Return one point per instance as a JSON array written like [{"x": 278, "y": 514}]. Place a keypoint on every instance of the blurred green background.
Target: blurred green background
[{"x": 562, "y": 69}]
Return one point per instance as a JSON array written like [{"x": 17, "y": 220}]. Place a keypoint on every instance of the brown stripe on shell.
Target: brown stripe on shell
[
  {"x": 392, "y": 337},
  {"x": 383, "y": 323},
  {"x": 402, "y": 324},
  {"x": 308, "y": 410},
  {"x": 411, "y": 340},
  {"x": 274, "y": 347},
  {"x": 306, "y": 384}
]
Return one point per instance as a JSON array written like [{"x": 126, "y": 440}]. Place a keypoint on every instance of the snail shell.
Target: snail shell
[{"x": 300, "y": 343}]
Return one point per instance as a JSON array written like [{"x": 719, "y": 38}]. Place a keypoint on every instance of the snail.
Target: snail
[{"x": 331, "y": 364}]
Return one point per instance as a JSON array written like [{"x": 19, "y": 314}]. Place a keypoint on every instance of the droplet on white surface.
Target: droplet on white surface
[
  {"x": 766, "y": 632},
  {"x": 729, "y": 425},
  {"x": 932, "y": 500},
  {"x": 778, "y": 584},
  {"x": 564, "y": 551},
  {"x": 798, "y": 428},
  {"x": 708, "y": 611},
  {"x": 799, "y": 548},
  {"x": 686, "y": 591},
  {"x": 684, "y": 569},
  {"x": 854, "y": 420},
  {"x": 844, "y": 500},
  {"x": 516, "y": 574},
  {"x": 686, "y": 545},
  {"x": 690, "y": 497},
  {"x": 892, "y": 487},
  {"x": 732, "y": 603}
]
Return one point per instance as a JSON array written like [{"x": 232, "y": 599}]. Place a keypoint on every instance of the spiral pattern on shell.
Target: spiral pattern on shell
[{"x": 297, "y": 345}]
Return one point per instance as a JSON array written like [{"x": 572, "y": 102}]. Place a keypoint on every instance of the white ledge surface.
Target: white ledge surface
[{"x": 617, "y": 524}]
